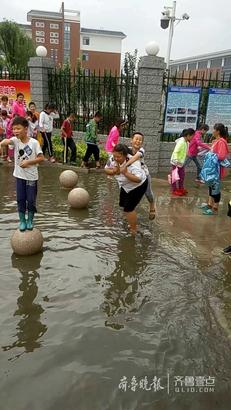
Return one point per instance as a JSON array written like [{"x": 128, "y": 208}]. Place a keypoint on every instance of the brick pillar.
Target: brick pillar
[
  {"x": 39, "y": 68},
  {"x": 150, "y": 83}
]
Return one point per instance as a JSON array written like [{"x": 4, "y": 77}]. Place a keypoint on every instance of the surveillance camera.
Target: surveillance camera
[
  {"x": 164, "y": 23},
  {"x": 185, "y": 16}
]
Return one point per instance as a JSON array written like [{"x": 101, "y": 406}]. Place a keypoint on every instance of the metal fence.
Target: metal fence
[
  {"x": 76, "y": 92},
  {"x": 200, "y": 79},
  {"x": 15, "y": 74}
]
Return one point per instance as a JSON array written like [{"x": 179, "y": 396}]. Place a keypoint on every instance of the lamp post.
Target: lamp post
[{"x": 168, "y": 20}]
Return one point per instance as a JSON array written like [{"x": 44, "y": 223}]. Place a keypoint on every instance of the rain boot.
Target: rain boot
[
  {"x": 30, "y": 220},
  {"x": 22, "y": 219}
]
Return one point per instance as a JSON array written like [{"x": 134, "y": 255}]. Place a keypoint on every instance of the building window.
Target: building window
[
  {"x": 40, "y": 40},
  {"x": 182, "y": 67},
  {"x": 227, "y": 62},
  {"x": 54, "y": 54},
  {"x": 39, "y": 24},
  {"x": 216, "y": 63},
  {"x": 40, "y": 33},
  {"x": 67, "y": 41},
  {"x": 85, "y": 57},
  {"x": 54, "y": 26},
  {"x": 202, "y": 64},
  {"x": 67, "y": 27},
  {"x": 86, "y": 41},
  {"x": 192, "y": 66},
  {"x": 54, "y": 34},
  {"x": 54, "y": 41}
]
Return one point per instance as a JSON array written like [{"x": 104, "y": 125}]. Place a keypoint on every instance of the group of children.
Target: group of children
[
  {"x": 187, "y": 148},
  {"x": 125, "y": 163},
  {"x": 40, "y": 125}
]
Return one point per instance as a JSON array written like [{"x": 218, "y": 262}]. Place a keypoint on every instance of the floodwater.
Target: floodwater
[{"x": 98, "y": 306}]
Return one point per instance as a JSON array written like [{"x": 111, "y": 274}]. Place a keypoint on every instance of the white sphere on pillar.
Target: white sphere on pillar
[
  {"x": 41, "y": 51},
  {"x": 152, "y": 48}
]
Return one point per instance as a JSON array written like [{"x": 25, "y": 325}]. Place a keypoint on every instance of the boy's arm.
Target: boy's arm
[
  {"x": 28, "y": 162},
  {"x": 112, "y": 171},
  {"x": 6, "y": 142},
  {"x": 134, "y": 158}
]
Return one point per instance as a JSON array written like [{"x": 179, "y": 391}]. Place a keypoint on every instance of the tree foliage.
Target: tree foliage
[
  {"x": 15, "y": 47},
  {"x": 130, "y": 63}
]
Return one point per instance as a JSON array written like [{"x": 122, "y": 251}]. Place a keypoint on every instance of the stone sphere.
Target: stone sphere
[
  {"x": 78, "y": 198},
  {"x": 41, "y": 51},
  {"x": 68, "y": 179},
  {"x": 152, "y": 48},
  {"x": 27, "y": 243}
]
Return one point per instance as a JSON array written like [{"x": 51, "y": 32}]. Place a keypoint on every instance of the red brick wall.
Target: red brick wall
[
  {"x": 47, "y": 37},
  {"x": 101, "y": 61},
  {"x": 75, "y": 44}
]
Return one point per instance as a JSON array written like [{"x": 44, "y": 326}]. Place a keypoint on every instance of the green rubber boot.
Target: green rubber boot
[
  {"x": 22, "y": 219},
  {"x": 30, "y": 218}
]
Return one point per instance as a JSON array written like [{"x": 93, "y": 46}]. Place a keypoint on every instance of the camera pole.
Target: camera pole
[{"x": 172, "y": 19}]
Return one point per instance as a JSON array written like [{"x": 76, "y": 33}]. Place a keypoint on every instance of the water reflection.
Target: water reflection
[
  {"x": 123, "y": 294},
  {"x": 30, "y": 328}
]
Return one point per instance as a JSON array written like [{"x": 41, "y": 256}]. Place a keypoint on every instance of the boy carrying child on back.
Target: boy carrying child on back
[{"x": 138, "y": 153}]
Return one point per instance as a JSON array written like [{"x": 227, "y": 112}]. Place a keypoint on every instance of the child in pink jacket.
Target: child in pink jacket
[
  {"x": 18, "y": 107},
  {"x": 114, "y": 135},
  {"x": 195, "y": 144}
]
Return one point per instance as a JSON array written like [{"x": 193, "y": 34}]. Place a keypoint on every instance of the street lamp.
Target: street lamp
[{"x": 168, "y": 20}]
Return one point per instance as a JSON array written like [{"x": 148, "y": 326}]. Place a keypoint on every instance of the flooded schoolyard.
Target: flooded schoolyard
[{"x": 103, "y": 321}]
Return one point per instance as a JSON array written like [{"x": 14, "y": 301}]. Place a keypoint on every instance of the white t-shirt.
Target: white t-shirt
[
  {"x": 135, "y": 169},
  {"x": 46, "y": 121},
  {"x": 142, "y": 154},
  {"x": 22, "y": 151}
]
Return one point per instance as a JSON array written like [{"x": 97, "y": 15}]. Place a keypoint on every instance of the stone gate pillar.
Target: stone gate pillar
[
  {"x": 39, "y": 68},
  {"x": 150, "y": 83}
]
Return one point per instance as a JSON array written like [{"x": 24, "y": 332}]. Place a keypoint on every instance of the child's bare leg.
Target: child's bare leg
[
  {"x": 150, "y": 197},
  {"x": 132, "y": 221},
  {"x": 210, "y": 202}
]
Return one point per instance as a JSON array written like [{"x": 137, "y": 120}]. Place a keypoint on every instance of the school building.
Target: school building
[
  {"x": 66, "y": 41},
  {"x": 212, "y": 65}
]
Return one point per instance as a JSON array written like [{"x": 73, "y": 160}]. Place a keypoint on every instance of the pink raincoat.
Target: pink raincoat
[
  {"x": 112, "y": 139},
  {"x": 196, "y": 143}
]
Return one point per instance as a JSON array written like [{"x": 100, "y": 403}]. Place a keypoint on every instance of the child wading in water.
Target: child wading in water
[
  {"x": 132, "y": 181},
  {"x": 91, "y": 139},
  {"x": 195, "y": 145},
  {"x": 138, "y": 153},
  {"x": 27, "y": 156},
  {"x": 178, "y": 160}
]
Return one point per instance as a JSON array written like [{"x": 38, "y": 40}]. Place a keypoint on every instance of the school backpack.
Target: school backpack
[{"x": 210, "y": 172}]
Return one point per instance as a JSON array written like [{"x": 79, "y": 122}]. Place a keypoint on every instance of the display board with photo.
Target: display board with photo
[
  {"x": 219, "y": 107},
  {"x": 182, "y": 108}
]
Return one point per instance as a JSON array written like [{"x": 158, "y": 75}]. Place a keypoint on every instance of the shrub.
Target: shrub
[{"x": 80, "y": 148}]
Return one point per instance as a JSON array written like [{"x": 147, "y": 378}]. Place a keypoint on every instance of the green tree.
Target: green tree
[
  {"x": 15, "y": 47},
  {"x": 130, "y": 63}
]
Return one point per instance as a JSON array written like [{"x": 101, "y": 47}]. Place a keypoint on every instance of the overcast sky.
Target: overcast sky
[{"x": 208, "y": 29}]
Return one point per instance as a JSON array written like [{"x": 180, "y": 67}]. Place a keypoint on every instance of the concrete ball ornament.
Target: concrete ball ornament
[
  {"x": 27, "y": 243},
  {"x": 68, "y": 179},
  {"x": 41, "y": 51},
  {"x": 152, "y": 48},
  {"x": 78, "y": 198}
]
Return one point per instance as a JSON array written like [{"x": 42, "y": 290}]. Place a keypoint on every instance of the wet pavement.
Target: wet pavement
[{"x": 102, "y": 321}]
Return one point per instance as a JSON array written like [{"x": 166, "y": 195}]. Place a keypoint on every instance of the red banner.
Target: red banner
[{"x": 12, "y": 87}]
